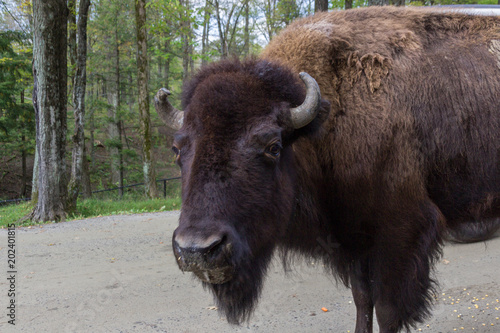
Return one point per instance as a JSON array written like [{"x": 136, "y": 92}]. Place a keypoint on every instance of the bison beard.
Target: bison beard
[{"x": 237, "y": 298}]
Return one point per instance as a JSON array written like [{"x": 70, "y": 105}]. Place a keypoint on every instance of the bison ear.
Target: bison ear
[{"x": 170, "y": 116}]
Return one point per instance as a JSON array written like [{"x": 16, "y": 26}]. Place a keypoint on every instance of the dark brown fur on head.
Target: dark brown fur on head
[{"x": 233, "y": 112}]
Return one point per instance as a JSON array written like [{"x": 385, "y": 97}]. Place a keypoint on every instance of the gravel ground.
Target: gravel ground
[{"x": 118, "y": 274}]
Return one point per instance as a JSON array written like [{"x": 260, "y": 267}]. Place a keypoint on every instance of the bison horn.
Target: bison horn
[
  {"x": 308, "y": 110},
  {"x": 172, "y": 117}
]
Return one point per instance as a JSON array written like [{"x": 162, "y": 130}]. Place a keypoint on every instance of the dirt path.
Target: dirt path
[{"x": 118, "y": 274}]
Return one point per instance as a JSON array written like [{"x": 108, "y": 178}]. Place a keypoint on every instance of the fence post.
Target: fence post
[{"x": 164, "y": 188}]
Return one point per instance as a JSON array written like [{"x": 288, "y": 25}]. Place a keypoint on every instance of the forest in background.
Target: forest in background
[{"x": 182, "y": 35}]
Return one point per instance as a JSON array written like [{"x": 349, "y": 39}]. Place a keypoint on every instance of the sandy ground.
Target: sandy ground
[{"x": 118, "y": 274}]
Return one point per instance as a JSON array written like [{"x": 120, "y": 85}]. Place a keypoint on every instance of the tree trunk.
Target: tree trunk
[
  {"x": 86, "y": 189},
  {"x": 246, "y": 47},
  {"x": 79, "y": 108},
  {"x": 114, "y": 133},
  {"x": 50, "y": 72},
  {"x": 320, "y": 5},
  {"x": 92, "y": 130},
  {"x": 378, "y": 2},
  {"x": 72, "y": 46},
  {"x": 185, "y": 36},
  {"x": 348, "y": 4},
  {"x": 143, "y": 101},
  {"x": 222, "y": 36},
  {"x": 204, "y": 37},
  {"x": 114, "y": 144},
  {"x": 24, "y": 177},
  {"x": 34, "y": 179},
  {"x": 167, "y": 64}
]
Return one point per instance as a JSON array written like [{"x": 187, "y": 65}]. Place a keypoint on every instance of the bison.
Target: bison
[{"x": 388, "y": 138}]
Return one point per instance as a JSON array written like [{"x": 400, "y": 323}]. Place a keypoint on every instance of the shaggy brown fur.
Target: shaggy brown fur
[{"x": 410, "y": 146}]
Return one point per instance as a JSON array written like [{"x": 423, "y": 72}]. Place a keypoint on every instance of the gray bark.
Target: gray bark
[
  {"x": 185, "y": 26},
  {"x": 24, "y": 177},
  {"x": 50, "y": 72},
  {"x": 143, "y": 100},
  {"x": 378, "y": 2},
  {"x": 114, "y": 134},
  {"x": 72, "y": 46},
  {"x": 79, "y": 107},
  {"x": 204, "y": 38},
  {"x": 320, "y": 5},
  {"x": 246, "y": 48}
]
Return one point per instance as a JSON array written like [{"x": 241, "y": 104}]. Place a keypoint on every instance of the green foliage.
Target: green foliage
[
  {"x": 13, "y": 213},
  {"x": 17, "y": 124}
]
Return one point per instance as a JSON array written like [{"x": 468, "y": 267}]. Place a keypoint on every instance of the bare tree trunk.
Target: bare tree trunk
[
  {"x": 378, "y": 2},
  {"x": 92, "y": 130},
  {"x": 114, "y": 133},
  {"x": 320, "y": 5},
  {"x": 78, "y": 153},
  {"x": 185, "y": 36},
  {"x": 115, "y": 138},
  {"x": 167, "y": 64},
  {"x": 270, "y": 12},
  {"x": 142, "y": 82},
  {"x": 204, "y": 37},
  {"x": 72, "y": 47},
  {"x": 222, "y": 36},
  {"x": 246, "y": 48},
  {"x": 50, "y": 72},
  {"x": 348, "y": 4},
  {"x": 86, "y": 188},
  {"x": 24, "y": 177},
  {"x": 34, "y": 179}
]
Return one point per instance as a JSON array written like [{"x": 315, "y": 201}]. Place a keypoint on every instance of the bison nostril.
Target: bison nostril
[{"x": 215, "y": 245}]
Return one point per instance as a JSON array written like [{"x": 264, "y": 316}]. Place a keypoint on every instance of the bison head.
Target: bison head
[{"x": 234, "y": 148}]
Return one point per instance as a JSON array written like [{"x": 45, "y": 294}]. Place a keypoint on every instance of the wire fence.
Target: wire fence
[{"x": 119, "y": 188}]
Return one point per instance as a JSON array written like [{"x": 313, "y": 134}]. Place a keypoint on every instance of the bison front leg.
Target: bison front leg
[
  {"x": 362, "y": 293},
  {"x": 402, "y": 265}
]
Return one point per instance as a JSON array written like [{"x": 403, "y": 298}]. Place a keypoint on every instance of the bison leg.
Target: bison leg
[
  {"x": 404, "y": 288},
  {"x": 362, "y": 293}
]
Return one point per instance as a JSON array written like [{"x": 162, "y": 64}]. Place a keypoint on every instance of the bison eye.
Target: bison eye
[
  {"x": 274, "y": 150},
  {"x": 176, "y": 150}
]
